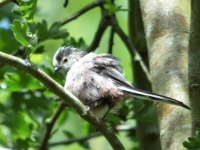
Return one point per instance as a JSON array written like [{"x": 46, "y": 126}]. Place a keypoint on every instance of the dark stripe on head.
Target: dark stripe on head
[
  {"x": 66, "y": 51},
  {"x": 63, "y": 51}
]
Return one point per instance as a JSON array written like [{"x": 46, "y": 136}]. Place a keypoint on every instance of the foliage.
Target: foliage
[
  {"x": 193, "y": 142},
  {"x": 29, "y": 40},
  {"x": 27, "y": 9},
  {"x": 27, "y": 106},
  {"x": 112, "y": 7}
]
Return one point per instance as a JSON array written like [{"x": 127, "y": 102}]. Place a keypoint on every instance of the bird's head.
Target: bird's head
[{"x": 66, "y": 57}]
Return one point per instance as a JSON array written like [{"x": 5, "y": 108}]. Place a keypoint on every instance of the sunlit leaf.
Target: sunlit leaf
[
  {"x": 27, "y": 9},
  {"x": 20, "y": 31},
  {"x": 32, "y": 45},
  {"x": 29, "y": 40}
]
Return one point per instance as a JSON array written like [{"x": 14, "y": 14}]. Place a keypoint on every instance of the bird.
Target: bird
[{"x": 97, "y": 80}]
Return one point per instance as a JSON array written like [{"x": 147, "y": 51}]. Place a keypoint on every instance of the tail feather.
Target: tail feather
[{"x": 151, "y": 96}]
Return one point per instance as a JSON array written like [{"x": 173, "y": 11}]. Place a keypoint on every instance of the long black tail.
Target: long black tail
[{"x": 151, "y": 96}]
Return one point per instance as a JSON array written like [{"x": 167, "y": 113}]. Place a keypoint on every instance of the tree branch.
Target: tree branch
[
  {"x": 104, "y": 23},
  {"x": 82, "y": 11},
  {"x": 49, "y": 125},
  {"x": 194, "y": 64},
  {"x": 17, "y": 52},
  {"x": 92, "y": 135},
  {"x": 111, "y": 39},
  {"x": 68, "y": 97},
  {"x": 65, "y": 3},
  {"x": 82, "y": 139},
  {"x": 130, "y": 46}
]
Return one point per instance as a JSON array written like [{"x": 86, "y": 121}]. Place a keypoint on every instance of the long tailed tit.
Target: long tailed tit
[{"x": 97, "y": 80}]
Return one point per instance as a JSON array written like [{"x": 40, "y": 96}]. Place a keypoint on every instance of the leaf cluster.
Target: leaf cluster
[
  {"x": 27, "y": 9},
  {"x": 193, "y": 142}
]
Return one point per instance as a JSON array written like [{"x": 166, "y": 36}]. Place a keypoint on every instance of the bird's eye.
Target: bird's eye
[{"x": 65, "y": 60}]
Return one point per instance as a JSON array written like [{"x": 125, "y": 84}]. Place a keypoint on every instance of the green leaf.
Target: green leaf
[
  {"x": 68, "y": 134},
  {"x": 40, "y": 50},
  {"x": 187, "y": 144},
  {"x": 20, "y": 128},
  {"x": 62, "y": 118},
  {"x": 29, "y": 40},
  {"x": 42, "y": 30},
  {"x": 192, "y": 139},
  {"x": 32, "y": 45},
  {"x": 112, "y": 8},
  {"x": 55, "y": 33},
  {"x": 54, "y": 131},
  {"x": 18, "y": 13},
  {"x": 71, "y": 41},
  {"x": 54, "y": 27},
  {"x": 198, "y": 133},
  {"x": 8, "y": 42},
  {"x": 20, "y": 31},
  {"x": 81, "y": 44},
  {"x": 4, "y": 137},
  {"x": 27, "y": 9},
  {"x": 193, "y": 143}
]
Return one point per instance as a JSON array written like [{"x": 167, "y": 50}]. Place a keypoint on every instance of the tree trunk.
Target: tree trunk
[
  {"x": 194, "y": 64},
  {"x": 147, "y": 132},
  {"x": 167, "y": 30}
]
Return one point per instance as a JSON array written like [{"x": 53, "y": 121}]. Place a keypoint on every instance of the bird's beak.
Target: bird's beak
[{"x": 57, "y": 68}]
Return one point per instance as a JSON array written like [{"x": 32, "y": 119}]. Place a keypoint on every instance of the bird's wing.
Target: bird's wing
[
  {"x": 108, "y": 66},
  {"x": 117, "y": 77}
]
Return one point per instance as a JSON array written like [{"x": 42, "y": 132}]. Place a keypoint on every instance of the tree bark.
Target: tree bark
[
  {"x": 147, "y": 132},
  {"x": 194, "y": 64},
  {"x": 167, "y": 33}
]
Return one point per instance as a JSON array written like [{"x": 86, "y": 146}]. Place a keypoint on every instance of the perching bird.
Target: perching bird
[{"x": 97, "y": 80}]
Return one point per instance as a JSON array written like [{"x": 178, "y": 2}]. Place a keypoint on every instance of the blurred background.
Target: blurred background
[{"x": 26, "y": 105}]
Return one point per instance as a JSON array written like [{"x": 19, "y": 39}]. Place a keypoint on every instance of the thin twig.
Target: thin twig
[
  {"x": 92, "y": 135},
  {"x": 102, "y": 25},
  {"x": 111, "y": 39},
  {"x": 130, "y": 47},
  {"x": 82, "y": 139},
  {"x": 98, "y": 35},
  {"x": 110, "y": 44},
  {"x": 82, "y": 11},
  {"x": 49, "y": 125},
  {"x": 65, "y": 3},
  {"x": 67, "y": 96}
]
